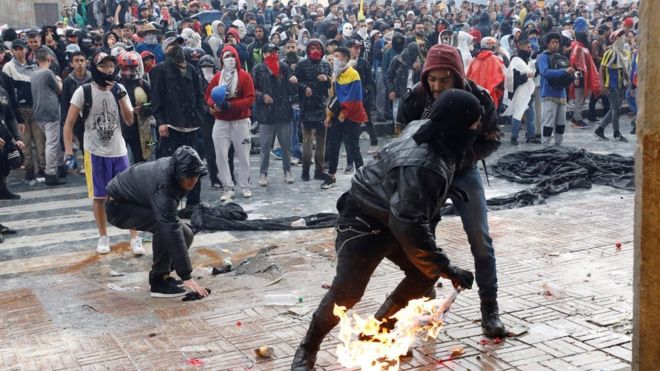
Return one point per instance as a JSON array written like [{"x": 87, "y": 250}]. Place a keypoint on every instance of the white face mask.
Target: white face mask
[
  {"x": 229, "y": 64},
  {"x": 347, "y": 31},
  {"x": 338, "y": 65},
  {"x": 151, "y": 39},
  {"x": 208, "y": 73},
  {"x": 397, "y": 25}
]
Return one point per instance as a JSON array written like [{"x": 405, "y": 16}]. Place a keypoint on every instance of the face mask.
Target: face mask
[
  {"x": 175, "y": 54},
  {"x": 273, "y": 63},
  {"x": 208, "y": 73},
  {"x": 292, "y": 57},
  {"x": 229, "y": 64},
  {"x": 535, "y": 43},
  {"x": 397, "y": 25},
  {"x": 151, "y": 39},
  {"x": 315, "y": 55},
  {"x": 347, "y": 31},
  {"x": 524, "y": 54},
  {"x": 129, "y": 74},
  {"x": 338, "y": 66},
  {"x": 305, "y": 40},
  {"x": 101, "y": 78}
]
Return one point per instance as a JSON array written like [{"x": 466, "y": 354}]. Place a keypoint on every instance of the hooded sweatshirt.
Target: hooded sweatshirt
[
  {"x": 442, "y": 56},
  {"x": 240, "y": 48},
  {"x": 216, "y": 40},
  {"x": 241, "y": 104}
]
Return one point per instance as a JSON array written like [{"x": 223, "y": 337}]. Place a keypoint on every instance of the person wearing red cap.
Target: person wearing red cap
[
  {"x": 628, "y": 24},
  {"x": 443, "y": 70}
]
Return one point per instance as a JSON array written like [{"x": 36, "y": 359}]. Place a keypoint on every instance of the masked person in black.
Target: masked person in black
[
  {"x": 391, "y": 211},
  {"x": 145, "y": 197}
]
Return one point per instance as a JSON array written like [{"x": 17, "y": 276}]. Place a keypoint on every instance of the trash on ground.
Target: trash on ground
[
  {"x": 115, "y": 274},
  {"x": 457, "y": 351},
  {"x": 195, "y": 362},
  {"x": 554, "y": 291},
  {"x": 265, "y": 351},
  {"x": 282, "y": 299}
]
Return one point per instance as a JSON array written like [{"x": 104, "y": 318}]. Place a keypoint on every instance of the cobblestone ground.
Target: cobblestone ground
[{"x": 64, "y": 307}]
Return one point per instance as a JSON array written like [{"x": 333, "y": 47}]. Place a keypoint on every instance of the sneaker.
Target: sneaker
[
  {"x": 288, "y": 177},
  {"x": 364, "y": 135},
  {"x": 372, "y": 150},
  {"x": 6, "y": 230},
  {"x": 136, "y": 246},
  {"x": 54, "y": 180},
  {"x": 514, "y": 141},
  {"x": 103, "y": 247},
  {"x": 329, "y": 183},
  {"x": 216, "y": 186},
  {"x": 164, "y": 289},
  {"x": 246, "y": 192},
  {"x": 29, "y": 174},
  {"x": 41, "y": 173},
  {"x": 295, "y": 161},
  {"x": 348, "y": 169},
  {"x": 533, "y": 140},
  {"x": 62, "y": 171},
  {"x": 173, "y": 281},
  {"x": 598, "y": 133},
  {"x": 277, "y": 153},
  {"x": 620, "y": 138},
  {"x": 6, "y": 194},
  {"x": 319, "y": 175},
  {"x": 82, "y": 171},
  {"x": 305, "y": 176},
  {"x": 227, "y": 195},
  {"x": 263, "y": 180}
]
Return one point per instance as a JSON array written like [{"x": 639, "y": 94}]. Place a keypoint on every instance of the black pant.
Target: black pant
[
  {"x": 361, "y": 245},
  {"x": 349, "y": 132},
  {"x": 167, "y": 146},
  {"x": 208, "y": 151},
  {"x": 592, "y": 106},
  {"x": 133, "y": 142},
  {"x": 126, "y": 215}
]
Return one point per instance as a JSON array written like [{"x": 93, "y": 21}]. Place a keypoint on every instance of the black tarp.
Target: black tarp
[
  {"x": 554, "y": 170},
  {"x": 232, "y": 217}
]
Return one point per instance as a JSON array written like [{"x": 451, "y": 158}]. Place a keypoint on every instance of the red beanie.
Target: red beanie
[{"x": 442, "y": 56}]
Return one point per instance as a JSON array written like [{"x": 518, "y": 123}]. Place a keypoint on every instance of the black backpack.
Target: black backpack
[{"x": 558, "y": 61}]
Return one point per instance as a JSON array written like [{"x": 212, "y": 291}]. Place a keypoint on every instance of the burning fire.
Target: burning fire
[{"x": 382, "y": 349}]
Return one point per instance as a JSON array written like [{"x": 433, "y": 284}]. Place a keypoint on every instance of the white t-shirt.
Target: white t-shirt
[{"x": 103, "y": 124}]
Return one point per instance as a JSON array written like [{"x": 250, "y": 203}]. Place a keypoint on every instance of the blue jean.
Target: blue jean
[
  {"x": 612, "y": 116},
  {"x": 296, "y": 151},
  {"x": 475, "y": 223},
  {"x": 531, "y": 128}
]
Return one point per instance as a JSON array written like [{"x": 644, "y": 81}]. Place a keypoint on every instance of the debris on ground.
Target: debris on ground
[
  {"x": 258, "y": 264},
  {"x": 195, "y": 362},
  {"x": 457, "y": 351},
  {"x": 115, "y": 274},
  {"x": 553, "y": 291},
  {"x": 326, "y": 286},
  {"x": 192, "y": 296},
  {"x": 275, "y": 281},
  {"x": 265, "y": 351},
  {"x": 618, "y": 245}
]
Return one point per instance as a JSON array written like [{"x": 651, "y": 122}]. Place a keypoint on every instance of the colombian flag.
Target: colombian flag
[{"x": 348, "y": 90}]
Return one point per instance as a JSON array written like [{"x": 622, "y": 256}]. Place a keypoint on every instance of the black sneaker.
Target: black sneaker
[
  {"x": 41, "y": 173},
  {"x": 305, "y": 176},
  {"x": 329, "y": 183},
  {"x": 534, "y": 140},
  {"x": 620, "y": 138},
  {"x": 62, "y": 171},
  {"x": 514, "y": 141},
  {"x": 6, "y": 194},
  {"x": 598, "y": 133},
  {"x": 54, "y": 180},
  {"x": 173, "y": 281},
  {"x": 349, "y": 169},
  {"x": 164, "y": 289},
  {"x": 29, "y": 175},
  {"x": 319, "y": 175},
  {"x": 6, "y": 230}
]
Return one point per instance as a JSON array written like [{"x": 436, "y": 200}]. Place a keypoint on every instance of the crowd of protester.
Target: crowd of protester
[{"x": 131, "y": 81}]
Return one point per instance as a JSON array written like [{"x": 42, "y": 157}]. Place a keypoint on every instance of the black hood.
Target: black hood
[
  {"x": 398, "y": 41},
  {"x": 186, "y": 163}
]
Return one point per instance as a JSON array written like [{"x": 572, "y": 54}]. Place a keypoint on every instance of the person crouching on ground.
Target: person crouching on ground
[
  {"x": 145, "y": 197},
  {"x": 391, "y": 211}
]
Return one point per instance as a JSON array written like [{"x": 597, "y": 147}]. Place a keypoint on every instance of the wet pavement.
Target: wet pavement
[{"x": 62, "y": 306}]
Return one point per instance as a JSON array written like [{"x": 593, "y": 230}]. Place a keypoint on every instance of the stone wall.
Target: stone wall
[{"x": 21, "y": 13}]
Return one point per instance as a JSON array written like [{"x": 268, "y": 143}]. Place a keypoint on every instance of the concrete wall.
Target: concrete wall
[{"x": 20, "y": 13}]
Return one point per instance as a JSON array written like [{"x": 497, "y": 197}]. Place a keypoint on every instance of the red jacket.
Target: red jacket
[{"x": 241, "y": 104}]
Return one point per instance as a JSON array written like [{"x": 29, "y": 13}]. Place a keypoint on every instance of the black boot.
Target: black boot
[
  {"x": 490, "y": 320},
  {"x": 5, "y": 193},
  {"x": 62, "y": 171},
  {"x": 305, "y": 356},
  {"x": 54, "y": 180}
]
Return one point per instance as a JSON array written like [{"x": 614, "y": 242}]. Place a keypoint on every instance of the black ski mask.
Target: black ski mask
[
  {"x": 102, "y": 78},
  {"x": 452, "y": 115}
]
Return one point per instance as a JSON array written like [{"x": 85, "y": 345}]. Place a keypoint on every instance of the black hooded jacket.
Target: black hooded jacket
[
  {"x": 155, "y": 185},
  {"x": 312, "y": 108}
]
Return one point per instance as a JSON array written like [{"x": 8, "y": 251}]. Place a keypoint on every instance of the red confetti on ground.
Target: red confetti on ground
[
  {"x": 238, "y": 323},
  {"x": 618, "y": 245},
  {"x": 484, "y": 341},
  {"x": 195, "y": 362},
  {"x": 497, "y": 341}
]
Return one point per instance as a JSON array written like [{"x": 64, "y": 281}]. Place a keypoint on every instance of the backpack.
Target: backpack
[
  {"x": 558, "y": 61},
  {"x": 87, "y": 105}
]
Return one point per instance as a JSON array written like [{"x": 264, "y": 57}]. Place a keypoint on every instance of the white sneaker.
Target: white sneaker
[
  {"x": 227, "y": 195},
  {"x": 136, "y": 246},
  {"x": 247, "y": 193},
  {"x": 263, "y": 180},
  {"x": 372, "y": 150},
  {"x": 103, "y": 247},
  {"x": 288, "y": 177},
  {"x": 364, "y": 135}
]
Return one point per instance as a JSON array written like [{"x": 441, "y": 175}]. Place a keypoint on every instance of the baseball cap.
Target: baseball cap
[
  {"x": 356, "y": 42},
  {"x": 101, "y": 57},
  {"x": 169, "y": 40},
  {"x": 269, "y": 47},
  {"x": 628, "y": 22},
  {"x": 18, "y": 43}
]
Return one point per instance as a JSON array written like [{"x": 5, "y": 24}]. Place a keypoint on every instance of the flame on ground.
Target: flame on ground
[{"x": 383, "y": 348}]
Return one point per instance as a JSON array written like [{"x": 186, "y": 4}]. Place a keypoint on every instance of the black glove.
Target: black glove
[
  {"x": 118, "y": 92},
  {"x": 459, "y": 277}
]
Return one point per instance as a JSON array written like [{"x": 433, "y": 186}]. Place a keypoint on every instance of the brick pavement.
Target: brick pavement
[{"x": 61, "y": 308}]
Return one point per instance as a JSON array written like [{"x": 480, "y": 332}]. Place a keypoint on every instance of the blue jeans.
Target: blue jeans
[
  {"x": 475, "y": 223},
  {"x": 531, "y": 128},
  {"x": 296, "y": 151}
]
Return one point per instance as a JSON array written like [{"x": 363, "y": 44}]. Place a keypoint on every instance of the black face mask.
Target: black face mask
[
  {"x": 524, "y": 54},
  {"x": 291, "y": 57},
  {"x": 101, "y": 78},
  {"x": 175, "y": 54}
]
